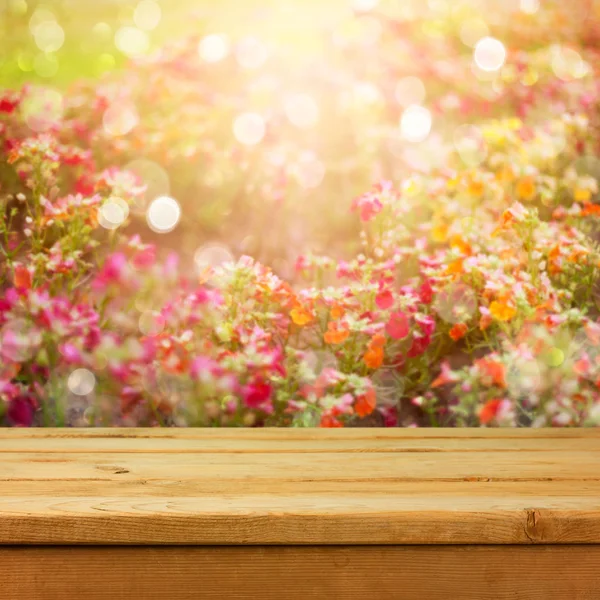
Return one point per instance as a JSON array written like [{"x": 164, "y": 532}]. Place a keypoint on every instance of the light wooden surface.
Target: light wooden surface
[
  {"x": 297, "y": 486},
  {"x": 301, "y": 573}
]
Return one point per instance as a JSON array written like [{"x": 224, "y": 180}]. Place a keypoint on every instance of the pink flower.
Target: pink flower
[
  {"x": 398, "y": 326},
  {"x": 112, "y": 272},
  {"x": 426, "y": 323},
  {"x": 384, "y": 299},
  {"x": 368, "y": 206},
  {"x": 203, "y": 367},
  {"x": 145, "y": 258},
  {"x": 70, "y": 353},
  {"x": 257, "y": 395}
]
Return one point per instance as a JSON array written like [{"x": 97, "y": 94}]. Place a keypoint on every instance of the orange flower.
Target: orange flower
[
  {"x": 526, "y": 189},
  {"x": 377, "y": 341},
  {"x": 458, "y": 331},
  {"x": 365, "y": 404},
  {"x": 590, "y": 209},
  {"x": 93, "y": 218},
  {"x": 501, "y": 310},
  {"x": 22, "y": 277},
  {"x": 476, "y": 188},
  {"x": 485, "y": 322},
  {"x": 301, "y": 316},
  {"x": 373, "y": 357},
  {"x": 507, "y": 219},
  {"x": 335, "y": 335},
  {"x": 337, "y": 312},
  {"x": 455, "y": 267},
  {"x": 494, "y": 372},
  {"x": 489, "y": 411},
  {"x": 579, "y": 255},
  {"x": 458, "y": 242}
]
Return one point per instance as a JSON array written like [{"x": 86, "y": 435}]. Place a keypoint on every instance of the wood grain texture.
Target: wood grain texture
[
  {"x": 303, "y": 573},
  {"x": 298, "y": 486}
]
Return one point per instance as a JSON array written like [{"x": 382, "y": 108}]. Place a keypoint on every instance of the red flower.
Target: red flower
[
  {"x": 20, "y": 411},
  {"x": 426, "y": 293},
  {"x": 8, "y": 105},
  {"x": 458, "y": 331},
  {"x": 419, "y": 345},
  {"x": 330, "y": 421}
]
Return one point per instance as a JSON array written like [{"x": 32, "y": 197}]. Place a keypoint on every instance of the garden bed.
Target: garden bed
[{"x": 406, "y": 514}]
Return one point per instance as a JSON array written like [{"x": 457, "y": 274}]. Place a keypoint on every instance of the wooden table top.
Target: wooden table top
[{"x": 299, "y": 486}]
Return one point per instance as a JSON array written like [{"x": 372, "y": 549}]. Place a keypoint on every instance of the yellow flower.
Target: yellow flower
[
  {"x": 476, "y": 188},
  {"x": 301, "y": 316},
  {"x": 502, "y": 311},
  {"x": 439, "y": 233},
  {"x": 505, "y": 174},
  {"x": 582, "y": 195}
]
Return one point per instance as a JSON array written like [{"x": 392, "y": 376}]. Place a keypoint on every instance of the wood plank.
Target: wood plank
[
  {"x": 297, "y": 520},
  {"x": 360, "y": 572},
  {"x": 247, "y": 445},
  {"x": 283, "y": 433},
  {"x": 504, "y": 491},
  {"x": 346, "y": 468},
  {"x": 552, "y": 493}
]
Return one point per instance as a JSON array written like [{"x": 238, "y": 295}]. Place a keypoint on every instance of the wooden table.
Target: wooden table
[{"x": 294, "y": 513}]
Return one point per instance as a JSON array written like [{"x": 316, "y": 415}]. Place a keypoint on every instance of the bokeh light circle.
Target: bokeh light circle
[
  {"x": 415, "y": 123},
  {"x": 456, "y": 303},
  {"x": 49, "y": 36},
  {"x": 42, "y": 109},
  {"x": 163, "y": 214},
  {"x": 319, "y": 360},
  {"x": 211, "y": 255},
  {"x": 147, "y": 15},
  {"x": 113, "y": 213},
  {"x": 132, "y": 42},
  {"x": 489, "y": 54},
  {"x": 524, "y": 378},
  {"x": 19, "y": 340},
  {"x": 249, "y": 129},
  {"x": 567, "y": 64},
  {"x": 120, "y": 118},
  {"x": 213, "y": 48},
  {"x": 301, "y": 110},
  {"x": 154, "y": 177},
  {"x": 81, "y": 382}
]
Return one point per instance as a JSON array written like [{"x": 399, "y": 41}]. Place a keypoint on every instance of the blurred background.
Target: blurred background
[{"x": 271, "y": 117}]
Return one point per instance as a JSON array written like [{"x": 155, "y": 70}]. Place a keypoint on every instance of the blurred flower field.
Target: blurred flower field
[{"x": 345, "y": 213}]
